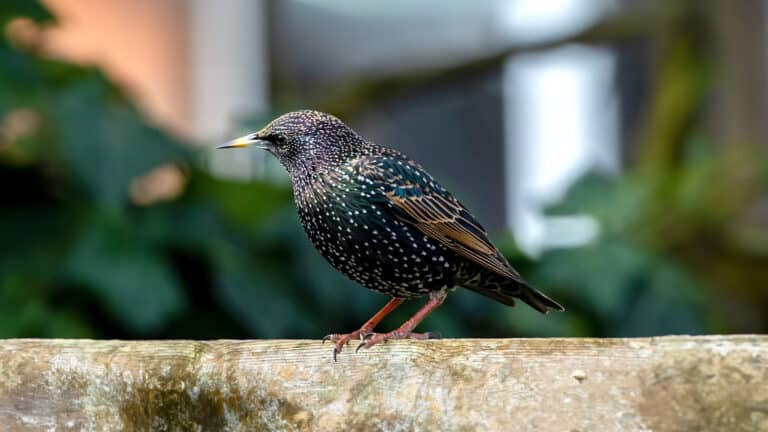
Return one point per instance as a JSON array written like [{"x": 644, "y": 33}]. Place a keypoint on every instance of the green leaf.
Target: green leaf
[
  {"x": 667, "y": 303},
  {"x": 254, "y": 292},
  {"x": 10, "y": 9},
  {"x": 584, "y": 273},
  {"x": 106, "y": 143},
  {"x": 617, "y": 203},
  {"x": 243, "y": 204},
  {"x": 531, "y": 323},
  {"x": 20, "y": 79},
  {"x": 135, "y": 283}
]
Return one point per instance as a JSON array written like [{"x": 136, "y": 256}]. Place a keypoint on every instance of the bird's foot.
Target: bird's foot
[
  {"x": 372, "y": 339},
  {"x": 341, "y": 339}
]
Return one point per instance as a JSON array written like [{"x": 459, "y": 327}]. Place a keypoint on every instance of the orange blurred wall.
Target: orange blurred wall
[{"x": 141, "y": 44}]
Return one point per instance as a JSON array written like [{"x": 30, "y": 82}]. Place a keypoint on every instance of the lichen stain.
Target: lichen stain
[
  {"x": 166, "y": 405},
  {"x": 173, "y": 409},
  {"x": 705, "y": 392}
]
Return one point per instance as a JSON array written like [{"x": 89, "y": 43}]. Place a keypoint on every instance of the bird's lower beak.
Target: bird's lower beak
[{"x": 246, "y": 141}]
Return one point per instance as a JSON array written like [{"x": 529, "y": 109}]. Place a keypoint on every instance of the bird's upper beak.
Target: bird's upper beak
[{"x": 246, "y": 141}]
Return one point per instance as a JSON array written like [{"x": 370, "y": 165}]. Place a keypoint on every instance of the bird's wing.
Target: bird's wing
[{"x": 417, "y": 199}]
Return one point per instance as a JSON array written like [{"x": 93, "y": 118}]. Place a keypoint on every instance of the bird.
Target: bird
[{"x": 380, "y": 219}]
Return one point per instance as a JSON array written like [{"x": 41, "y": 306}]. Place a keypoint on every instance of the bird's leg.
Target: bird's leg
[
  {"x": 342, "y": 339},
  {"x": 405, "y": 331}
]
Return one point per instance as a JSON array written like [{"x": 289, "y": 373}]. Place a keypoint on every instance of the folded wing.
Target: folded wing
[{"x": 418, "y": 200}]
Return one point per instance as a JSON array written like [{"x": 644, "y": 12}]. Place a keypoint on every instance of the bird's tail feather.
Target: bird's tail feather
[
  {"x": 512, "y": 289},
  {"x": 537, "y": 299}
]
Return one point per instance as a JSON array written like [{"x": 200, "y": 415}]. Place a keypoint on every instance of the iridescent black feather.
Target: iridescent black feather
[{"x": 382, "y": 220}]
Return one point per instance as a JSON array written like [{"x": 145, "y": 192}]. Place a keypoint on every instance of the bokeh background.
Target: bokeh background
[{"x": 614, "y": 149}]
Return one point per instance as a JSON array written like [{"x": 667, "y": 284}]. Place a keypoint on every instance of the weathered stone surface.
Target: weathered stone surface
[{"x": 713, "y": 383}]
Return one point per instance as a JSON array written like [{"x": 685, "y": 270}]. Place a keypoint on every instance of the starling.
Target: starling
[{"x": 384, "y": 222}]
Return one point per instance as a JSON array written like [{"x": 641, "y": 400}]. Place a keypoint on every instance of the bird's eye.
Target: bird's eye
[{"x": 278, "y": 139}]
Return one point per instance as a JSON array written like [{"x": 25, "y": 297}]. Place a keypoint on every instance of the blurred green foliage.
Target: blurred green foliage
[{"x": 83, "y": 257}]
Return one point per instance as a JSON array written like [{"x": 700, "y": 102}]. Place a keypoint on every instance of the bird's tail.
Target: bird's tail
[
  {"x": 506, "y": 290},
  {"x": 538, "y": 300}
]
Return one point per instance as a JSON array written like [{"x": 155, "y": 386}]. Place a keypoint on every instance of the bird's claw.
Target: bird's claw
[
  {"x": 369, "y": 339},
  {"x": 428, "y": 335},
  {"x": 362, "y": 344},
  {"x": 372, "y": 339},
  {"x": 366, "y": 338},
  {"x": 342, "y": 339}
]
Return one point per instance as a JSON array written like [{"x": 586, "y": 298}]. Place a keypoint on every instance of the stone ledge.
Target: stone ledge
[{"x": 714, "y": 383}]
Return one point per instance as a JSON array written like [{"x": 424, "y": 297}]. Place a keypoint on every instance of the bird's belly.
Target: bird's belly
[{"x": 382, "y": 254}]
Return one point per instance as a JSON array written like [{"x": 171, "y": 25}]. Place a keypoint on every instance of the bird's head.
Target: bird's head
[{"x": 305, "y": 141}]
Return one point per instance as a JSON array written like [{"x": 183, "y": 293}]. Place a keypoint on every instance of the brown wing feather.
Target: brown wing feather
[
  {"x": 431, "y": 209},
  {"x": 447, "y": 221}
]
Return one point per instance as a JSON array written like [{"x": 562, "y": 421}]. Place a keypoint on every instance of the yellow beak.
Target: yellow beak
[{"x": 245, "y": 141}]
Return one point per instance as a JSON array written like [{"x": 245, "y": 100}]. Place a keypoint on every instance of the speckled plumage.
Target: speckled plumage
[{"x": 382, "y": 220}]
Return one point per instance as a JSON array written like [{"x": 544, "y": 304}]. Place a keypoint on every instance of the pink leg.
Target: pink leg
[
  {"x": 405, "y": 331},
  {"x": 342, "y": 339}
]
